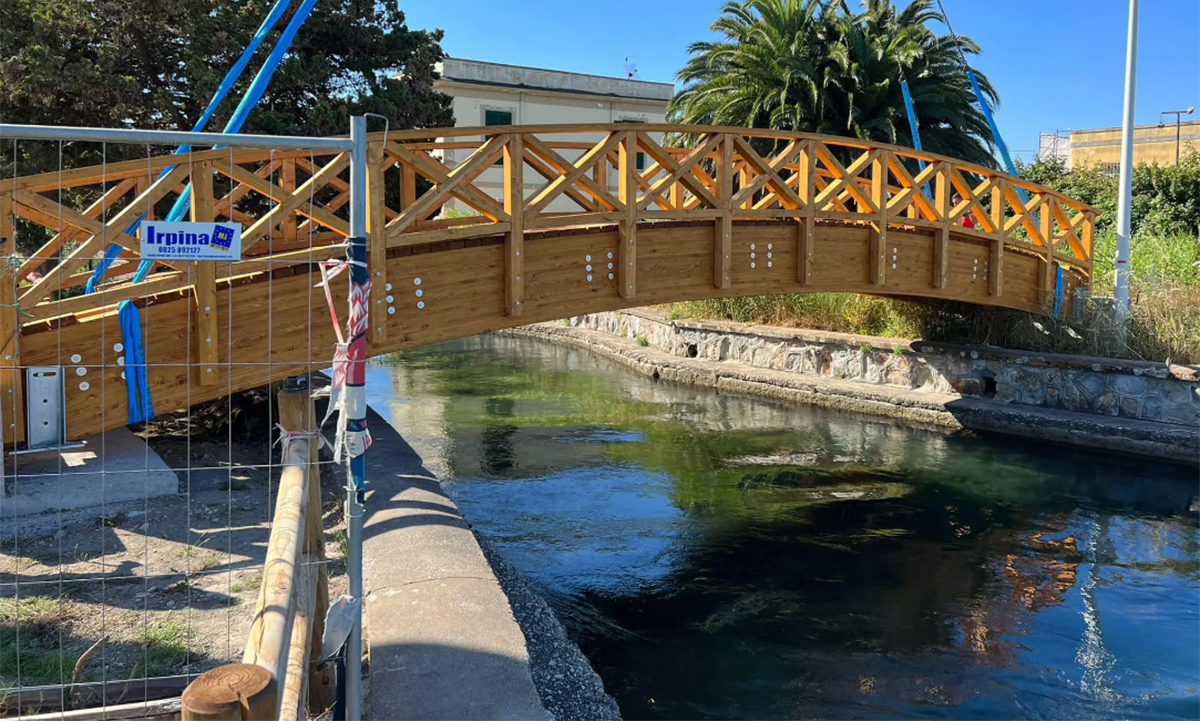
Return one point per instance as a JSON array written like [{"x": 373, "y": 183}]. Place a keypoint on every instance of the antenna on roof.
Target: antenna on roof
[{"x": 631, "y": 71}]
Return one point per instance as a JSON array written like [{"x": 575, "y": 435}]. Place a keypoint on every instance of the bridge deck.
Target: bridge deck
[{"x": 614, "y": 220}]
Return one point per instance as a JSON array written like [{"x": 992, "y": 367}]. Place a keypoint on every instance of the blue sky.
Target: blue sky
[{"x": 1057, "y": 64}]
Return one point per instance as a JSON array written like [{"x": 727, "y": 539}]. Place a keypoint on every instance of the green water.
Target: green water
[{"x": 723, "y": 557}]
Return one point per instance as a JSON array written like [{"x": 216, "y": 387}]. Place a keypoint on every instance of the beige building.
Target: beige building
[
  {"x": 1151, "y": 144},
  {"x": 494, "y": 94}
]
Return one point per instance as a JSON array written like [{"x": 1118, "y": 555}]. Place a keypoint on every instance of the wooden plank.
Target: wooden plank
[
  {"x": 377, "y": 244},
  {"x": 287, "y": 203},
  {"x": 627, "y": 190},
  {"x": 287, "y": 183},
  {"x": 51, "y": 248},
  {"x": 1046, "y": 282},
  {"x": 574, "y": 174},
  {"x": 514, "y": 239},
  {"x": 565, "y": 168},
  {"x": 204, "y": 282},
  {"x": 543, "y": 169},
  {"x": 768, "y": 173}
]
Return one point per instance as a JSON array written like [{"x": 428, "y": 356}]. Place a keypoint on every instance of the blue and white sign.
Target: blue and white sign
[{"x": 190, "y": 241}]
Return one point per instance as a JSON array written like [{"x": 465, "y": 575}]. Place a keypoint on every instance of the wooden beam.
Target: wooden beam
[
  {"x": 51, "y": 248},
  {"x": 1046, "y": 282},
  {"x": 287, "y": 203},
  {"x": 461, "y": 175},
  {"x": 11, "y": 401},
  {"x": 768, "y": 174},
  {"x": 514, "y": 239},
  {"x": 627, "y": 189},
  {"x": 204, "y": 282},
  {"x": 564, "y": 167},
  {"x": 573, "y": 174},
  {"x": 377, "y": 330}
]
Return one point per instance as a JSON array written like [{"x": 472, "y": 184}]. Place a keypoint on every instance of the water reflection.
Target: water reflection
[{"x": 721, "y": 557}]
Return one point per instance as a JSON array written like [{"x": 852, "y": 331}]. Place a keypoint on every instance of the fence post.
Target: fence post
[
  {"x": 234, "y": 692},
  {"x": 10, "y": 331},
  {"x": 355, "y": 408}
]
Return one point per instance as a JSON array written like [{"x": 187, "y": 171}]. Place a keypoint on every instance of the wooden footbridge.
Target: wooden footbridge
[{"x": 581, "y": 218}]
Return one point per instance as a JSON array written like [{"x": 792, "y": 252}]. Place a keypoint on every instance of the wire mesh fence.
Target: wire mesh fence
[{"x": 147, "y": 457}]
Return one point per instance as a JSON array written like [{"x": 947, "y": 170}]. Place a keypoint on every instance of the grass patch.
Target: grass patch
[
  {"x": 164, "y": 645},
  {"x": 31, "y": 629},
  {"x": 232, "y": 484},
  {"x": 641, "y": 340},
  {"x": 343, "y": 542}
]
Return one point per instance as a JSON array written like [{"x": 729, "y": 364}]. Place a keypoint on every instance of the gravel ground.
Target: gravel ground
[{"x": 565, "y": 681}]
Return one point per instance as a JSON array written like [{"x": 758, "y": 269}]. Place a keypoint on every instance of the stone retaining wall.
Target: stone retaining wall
[{"x": 1128, "y": 389}]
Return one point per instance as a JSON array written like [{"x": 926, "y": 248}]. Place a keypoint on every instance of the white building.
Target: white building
[{"x": 493, "y": 94}]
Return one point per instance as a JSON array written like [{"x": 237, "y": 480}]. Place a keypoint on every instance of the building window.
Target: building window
[
  {"x": 1110, "y": 170},
  {"x": 640, "y": 161},
  {"x": 497, "y": 117}
]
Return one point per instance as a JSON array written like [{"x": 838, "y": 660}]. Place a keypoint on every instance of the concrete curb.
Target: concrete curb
[{"x": 1159, "y": 440}]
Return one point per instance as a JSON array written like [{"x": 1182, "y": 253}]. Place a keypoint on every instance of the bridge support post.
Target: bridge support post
[
  {"x": 627, "y": 227},
  {"x": 10, "y": 332},
  {"x": 723, "y": 229},
  {"x": 514, "y": 239},
  {"x": 1046, "y": 277}
]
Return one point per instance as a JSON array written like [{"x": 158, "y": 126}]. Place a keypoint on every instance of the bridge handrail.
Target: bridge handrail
[{"x": 725, "y": 175}]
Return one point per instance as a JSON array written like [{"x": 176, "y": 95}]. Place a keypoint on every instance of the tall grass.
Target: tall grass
[{"x": 1164, "y": 322}]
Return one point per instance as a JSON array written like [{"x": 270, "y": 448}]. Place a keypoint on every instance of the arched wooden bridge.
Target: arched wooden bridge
[{"x": 601, "y": 217}]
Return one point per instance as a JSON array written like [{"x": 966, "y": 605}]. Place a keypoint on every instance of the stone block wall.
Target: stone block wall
[{"x": 1108, "y": 387}]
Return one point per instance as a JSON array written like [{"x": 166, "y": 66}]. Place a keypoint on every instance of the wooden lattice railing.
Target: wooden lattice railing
[{"x": 291, "y": 202}]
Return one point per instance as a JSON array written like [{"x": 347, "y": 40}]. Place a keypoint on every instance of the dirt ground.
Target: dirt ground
[{"x": 170, "y": 583}]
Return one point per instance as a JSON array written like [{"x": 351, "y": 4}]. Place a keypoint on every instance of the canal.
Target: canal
[{"x": 725, "y": 557}]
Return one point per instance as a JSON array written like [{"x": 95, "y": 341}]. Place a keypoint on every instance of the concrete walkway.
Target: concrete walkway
[{"x": 442, "y": 637}]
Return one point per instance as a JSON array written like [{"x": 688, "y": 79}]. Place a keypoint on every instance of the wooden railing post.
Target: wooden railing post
[
  {"x": 287, "y": 183},
  {"x": 627, "y": 227},
  {"x": 376, "y": 243},
  {"x": 204, "y": 282},
  {"x": 1046, "y": 282},
  {"x": 13, "y": 414},
  {"x": 234, "y": 692},
  {"x": 941, "y": 239},
  {"x": 514, "y": 239},
  {"x": 723, "y": 230},
  {"x": 806, "y": 228},
  {"x": 996, "y": 264},
  {"x": 879, "y": 195}
]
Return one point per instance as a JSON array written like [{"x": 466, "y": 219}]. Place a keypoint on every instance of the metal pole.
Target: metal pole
[
  {"x": 356, "y": 409},
  {"x": 170, "y": 137},
  {"x": 1178, "y": 125},
  {"x": 1125, "y": 190}
]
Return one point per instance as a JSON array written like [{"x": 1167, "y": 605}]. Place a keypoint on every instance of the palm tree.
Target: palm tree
[{"x": 816, "y": 66}]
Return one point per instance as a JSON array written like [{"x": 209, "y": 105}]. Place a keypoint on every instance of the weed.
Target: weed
[
  {"x": 641, "y": 340},
  {"x": 343, "y": 542},
  {"x": 865, "y": 349},
  {"x": 899, "y": 350},
  {"x": 231, "y": 484},
  {"x": 113, "y": 521},
  {"x": 164, "y": 646}
]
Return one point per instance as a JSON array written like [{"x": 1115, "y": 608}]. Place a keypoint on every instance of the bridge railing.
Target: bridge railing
[{"x": 624, "y": 174}]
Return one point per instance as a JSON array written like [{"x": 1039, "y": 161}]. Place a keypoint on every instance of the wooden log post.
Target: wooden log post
[
  {"x": 204, "y": 283},
  {"x": 723, "y": 228},
  {"x": 627, "y": 227},
  {"x": 1046, "y": 277},
  {"x": 234, "y": 692},
  {"x": 269, "y": 641},
  {"x": 377, "y": 243},
  {"x": 514, "y": 240},
  {"x": 806, "y": 229}
]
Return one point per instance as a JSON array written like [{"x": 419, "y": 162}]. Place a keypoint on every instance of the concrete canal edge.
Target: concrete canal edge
[
  {"x": 451, "y": 626},
  {"x": 1149, "y": 409}
]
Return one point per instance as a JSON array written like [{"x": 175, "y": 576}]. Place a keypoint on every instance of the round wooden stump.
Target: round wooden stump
[{"x": 237, "y": 692}]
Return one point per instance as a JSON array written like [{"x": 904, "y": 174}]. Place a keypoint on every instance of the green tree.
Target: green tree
[
  {"x": 816, "y": 66},
  {"x": 154, "y": 64}
]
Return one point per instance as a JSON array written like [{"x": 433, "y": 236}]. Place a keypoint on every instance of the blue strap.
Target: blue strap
[
  {"x": 226, "y": 85},
  {"x": 1058, "y": 291},
  {"x": 137, "y": 390},
  {"x": 249, "y": 100},
  {"x": 991, "y": 121},
  {"x": 912, "y": 119}
]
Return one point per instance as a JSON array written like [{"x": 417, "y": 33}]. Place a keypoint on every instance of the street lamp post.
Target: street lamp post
[
  {"x": 1178, "y": 123},
  {"x": 1125, "y": 189}
]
